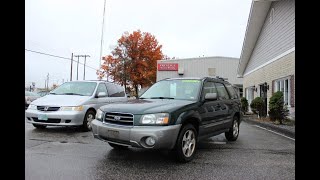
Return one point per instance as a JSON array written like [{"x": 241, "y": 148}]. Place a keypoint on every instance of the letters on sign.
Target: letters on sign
[{"x": 168, "y": 67}]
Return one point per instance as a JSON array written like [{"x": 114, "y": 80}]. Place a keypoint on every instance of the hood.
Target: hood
[
  {"x": 146, "y": 106},
  {"x": 60, "y": 100}
]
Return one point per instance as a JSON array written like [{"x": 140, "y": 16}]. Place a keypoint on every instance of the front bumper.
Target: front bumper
[
  {"x": 165, "y": 136},
  {"x": 56, "y": 118}
]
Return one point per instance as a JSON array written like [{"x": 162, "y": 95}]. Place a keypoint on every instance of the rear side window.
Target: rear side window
[
  {"x": 231, "y": 91},
  {"x": 115, "y": 90},
  {"x": 223, "y": 94}
]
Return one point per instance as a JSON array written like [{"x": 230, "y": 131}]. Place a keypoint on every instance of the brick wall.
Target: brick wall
[{"x": 281, "y": 68}]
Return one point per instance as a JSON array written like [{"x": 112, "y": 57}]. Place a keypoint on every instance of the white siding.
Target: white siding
[
  {"x": 276, "y": 37},
  {"x": 199, "y": 67}
]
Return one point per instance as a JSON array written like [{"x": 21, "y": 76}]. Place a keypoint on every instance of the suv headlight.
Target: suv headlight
[
  {"x": 159, "y": 118},
  {"x": 99, "y": 115},
  {"x": 71, "y": 108},
  {"x": 32, "y": 107}
]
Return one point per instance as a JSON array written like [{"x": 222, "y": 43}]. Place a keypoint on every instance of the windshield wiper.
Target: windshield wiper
[
  {"x": 71, "y": 94},
  {"x": 52, "y": 93},
  {"x": 161, "y": 97}
]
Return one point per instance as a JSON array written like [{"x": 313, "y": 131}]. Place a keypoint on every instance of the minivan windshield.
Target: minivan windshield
[
  {"x": 184, "y": 89},
  {"x": 27, "y": 93},
  {"x": 75, "y": 88}
]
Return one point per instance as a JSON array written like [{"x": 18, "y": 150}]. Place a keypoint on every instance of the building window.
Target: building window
[
  {"x": 249, "y": 94},
  {"x": 211, "y": 71},
  {"x": 283, "y": 85}
]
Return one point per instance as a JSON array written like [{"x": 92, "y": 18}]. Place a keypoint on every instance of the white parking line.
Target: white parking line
[{"x": 274, "y": 132}]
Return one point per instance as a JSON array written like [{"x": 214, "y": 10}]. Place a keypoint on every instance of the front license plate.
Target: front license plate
[
  {"x": 113, "y": 134},
  {"x": 43, "y": 117}
]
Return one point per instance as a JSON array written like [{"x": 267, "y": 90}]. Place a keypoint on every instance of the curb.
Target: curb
[{"x": 271, "y": 127}]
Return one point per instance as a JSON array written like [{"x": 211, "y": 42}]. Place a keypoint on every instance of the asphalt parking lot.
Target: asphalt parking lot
[{"x": 68, "y": 153}]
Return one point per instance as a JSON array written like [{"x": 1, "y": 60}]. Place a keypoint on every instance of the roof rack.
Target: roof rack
[{"x": 221, "y": 78}]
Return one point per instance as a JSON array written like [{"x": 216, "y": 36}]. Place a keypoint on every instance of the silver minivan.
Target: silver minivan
[{"x": 73, "y": 103}]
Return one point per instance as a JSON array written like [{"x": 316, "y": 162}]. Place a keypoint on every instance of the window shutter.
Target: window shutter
[{"x": 292, "y": 91}]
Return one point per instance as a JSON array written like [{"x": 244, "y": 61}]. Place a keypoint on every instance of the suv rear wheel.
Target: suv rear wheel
[
  {"x": 233, "y": 133},
  {"x": 186, "y": 143}
]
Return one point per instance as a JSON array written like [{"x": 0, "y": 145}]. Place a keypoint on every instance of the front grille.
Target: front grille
[
  {"x": 46, "y": 108},
  {"x": 119, "y": 118},
  {"x": 50, "y": 120}
]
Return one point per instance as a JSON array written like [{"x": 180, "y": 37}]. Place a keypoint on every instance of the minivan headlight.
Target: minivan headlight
[
  {"x": 32, "y": 107},
  {"x": 99, "y": 115},
  {"x": 71, "y": 108},
  {"x": 159, "y": 118}
]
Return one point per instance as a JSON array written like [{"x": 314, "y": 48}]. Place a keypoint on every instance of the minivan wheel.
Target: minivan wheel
[
  {"x": 186, "y": 143},
  {"x": 88, "y": 118},
  {"x": 39, "y": 126},
  {"x": 233, "y": 132},
  {"x": 116, "y": 146}
]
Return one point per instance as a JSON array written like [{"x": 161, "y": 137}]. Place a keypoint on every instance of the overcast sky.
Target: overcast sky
[{"x": 185, "y": 28}]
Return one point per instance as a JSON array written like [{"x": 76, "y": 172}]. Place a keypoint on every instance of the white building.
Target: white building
[{"x": 267, "y": 61}]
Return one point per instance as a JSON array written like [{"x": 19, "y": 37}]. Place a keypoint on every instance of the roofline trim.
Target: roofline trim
[
  {"x": 272, "y": 60},
  {"x": 258, "y": 13}
]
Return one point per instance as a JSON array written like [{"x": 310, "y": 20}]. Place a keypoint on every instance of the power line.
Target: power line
[{"x": 59, "y": 57}]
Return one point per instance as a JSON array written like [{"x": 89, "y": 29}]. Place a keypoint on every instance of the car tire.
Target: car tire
[
  {"x": 233, "y": 132},
  {"x": 186, "y": 143},
  {"x": 38, "y": 126},
  {"x": 90, "y": 115},
  {"x": 116, "y": 146}
]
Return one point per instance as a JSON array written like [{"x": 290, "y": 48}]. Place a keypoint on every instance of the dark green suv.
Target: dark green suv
[{"x": 172, "y": 114}]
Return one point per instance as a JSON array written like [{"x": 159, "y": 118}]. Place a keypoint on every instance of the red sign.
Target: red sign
[{"x": 168, "y": 67}]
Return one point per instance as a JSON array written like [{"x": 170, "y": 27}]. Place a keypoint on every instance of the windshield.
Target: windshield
[
  {"x": 184, "y": 89},
  {"x": 75, "y": 88}
]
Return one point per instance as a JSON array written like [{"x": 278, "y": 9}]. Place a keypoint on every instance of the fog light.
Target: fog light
[{"x": 150, "y": 141}]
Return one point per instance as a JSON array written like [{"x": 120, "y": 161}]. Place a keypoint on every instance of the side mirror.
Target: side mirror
[
  {"x": 101, "y": 94},
  {"x": 210, "y": 96}
]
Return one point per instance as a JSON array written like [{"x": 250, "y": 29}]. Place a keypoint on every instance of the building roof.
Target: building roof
[{"x": 259, "y": 11}]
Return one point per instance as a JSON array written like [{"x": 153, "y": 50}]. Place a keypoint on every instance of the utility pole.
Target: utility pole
[
  {"x": 84, "y": 66},
  {"x": 48, "y": 81},
  {"x": 100, "y": 57},
  {"x": 71, "y": 66},
  {"x": 77, "y": 64}
]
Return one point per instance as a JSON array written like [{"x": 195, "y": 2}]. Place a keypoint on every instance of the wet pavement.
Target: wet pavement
[{"x": 68, "y": 153}]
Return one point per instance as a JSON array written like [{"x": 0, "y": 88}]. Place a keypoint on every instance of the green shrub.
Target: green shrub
[
  {"x": 257, "y": 105},
  {"x": 277, "y": 109},
  {"x": 244, "y": 105}
]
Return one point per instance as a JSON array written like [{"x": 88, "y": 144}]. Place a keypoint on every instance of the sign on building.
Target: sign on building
[{"x": 168, "y": 67}]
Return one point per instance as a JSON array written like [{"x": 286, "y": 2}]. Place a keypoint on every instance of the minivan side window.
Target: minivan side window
[
  {"x": 121, "y": 92},
  {"x": 231, "y": 91},
  {"x": 223, "y": 94},
  {"x": 115, "y": 90},
  {"x": 102, "y": 88}
]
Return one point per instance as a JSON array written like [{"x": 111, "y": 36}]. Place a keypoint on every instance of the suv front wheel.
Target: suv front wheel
[
  {"x": 233, "y": 133},
  {"x": 186, "y": 143}
]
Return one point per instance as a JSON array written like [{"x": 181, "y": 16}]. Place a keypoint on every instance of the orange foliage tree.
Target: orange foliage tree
[{"x": 133, "y": 61}]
